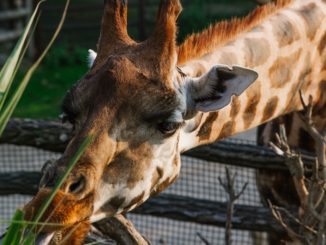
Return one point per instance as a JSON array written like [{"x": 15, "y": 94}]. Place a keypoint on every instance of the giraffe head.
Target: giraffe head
[{"x": 134, "y": 102}]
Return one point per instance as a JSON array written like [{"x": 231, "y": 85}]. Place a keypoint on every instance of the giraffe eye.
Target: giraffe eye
[{"x": 168, "y": 128}]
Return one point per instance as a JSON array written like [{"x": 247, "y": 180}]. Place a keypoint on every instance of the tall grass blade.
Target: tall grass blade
[
  {"x": 71, "y": 165},
  {"x": 15, "y": 229},
  {"x": 9, "y": 70},
  {"x": 11, "y": 105}
]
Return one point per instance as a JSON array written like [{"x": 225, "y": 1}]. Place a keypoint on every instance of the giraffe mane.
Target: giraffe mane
[{"x": 199, "y": 44}]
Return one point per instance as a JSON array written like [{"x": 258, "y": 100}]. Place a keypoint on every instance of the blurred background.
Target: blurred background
[{"x": 67, "y": 60}]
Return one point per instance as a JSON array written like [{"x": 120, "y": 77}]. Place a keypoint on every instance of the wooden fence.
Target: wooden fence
[
  {"x": 13, "y": 16},
  {"x": 54, "y": 136}
]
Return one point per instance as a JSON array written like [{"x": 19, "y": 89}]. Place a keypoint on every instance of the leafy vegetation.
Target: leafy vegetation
[
  {"x": 19, "y": 231},
  {"x": 62, "y": 67}
]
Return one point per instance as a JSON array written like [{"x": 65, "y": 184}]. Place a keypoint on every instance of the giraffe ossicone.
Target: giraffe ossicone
[{"x": 146, "y": 103}]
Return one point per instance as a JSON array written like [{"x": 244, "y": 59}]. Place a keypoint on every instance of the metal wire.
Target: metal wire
[{"x": 198, "y": 179}]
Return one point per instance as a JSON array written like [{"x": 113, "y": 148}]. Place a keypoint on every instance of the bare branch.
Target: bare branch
[
  {"x": 228, "y": 186},
  {"x": 294, "y": 163},
  {"x": 277, "y": 215},
  {"x": 121, "y": 230},
  {"x": 319, "y": 137}
]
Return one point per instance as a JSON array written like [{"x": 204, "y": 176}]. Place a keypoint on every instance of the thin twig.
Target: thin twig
[
  {"x": 228, "y": 186},
  {"x": 277, "y": 215}
]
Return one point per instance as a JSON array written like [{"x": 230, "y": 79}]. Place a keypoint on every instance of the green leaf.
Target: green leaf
[
  {"x": 11, "y": 105},
  {"x": 9, "y": 70},
  {"x": 71, "y": 165},
  {"x": 13, "y": 234}
]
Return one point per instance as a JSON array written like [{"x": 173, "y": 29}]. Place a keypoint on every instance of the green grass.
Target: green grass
[
  {"x": 45, "y": 92},
  {"x": 9, "y": 97}
]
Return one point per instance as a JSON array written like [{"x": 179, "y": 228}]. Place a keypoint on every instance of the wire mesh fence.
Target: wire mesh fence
[{"x": 198, "y": 179}]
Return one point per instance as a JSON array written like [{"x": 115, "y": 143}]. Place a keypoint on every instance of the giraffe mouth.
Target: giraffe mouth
[{"x": 68, "y": 216}]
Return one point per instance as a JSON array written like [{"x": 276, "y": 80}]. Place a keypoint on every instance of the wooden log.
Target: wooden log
[
  {"x": 10, "y": 35},
  {"x": 165, "y": 205},
  {"x": 24, "y": 183},
  {"x": 14, "y": 14},
  {"x": 208, "y": 212},
  {"x": 121, "y": 230},
  {"x": 54, "y": 136},
  {"x": 243, "y": 155},
  {"x": 46, "y": 135}
]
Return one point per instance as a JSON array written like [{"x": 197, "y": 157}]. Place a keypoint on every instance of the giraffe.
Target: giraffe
[{"x": 146, "y": 103}]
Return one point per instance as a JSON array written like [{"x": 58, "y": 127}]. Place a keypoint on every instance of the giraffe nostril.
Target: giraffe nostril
[{"x": 77, "y": 185}]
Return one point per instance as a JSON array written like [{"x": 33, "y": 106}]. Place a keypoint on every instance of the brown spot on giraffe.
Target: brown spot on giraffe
[
  {"x": 227, "y": 129},
  {"x": 163, "y": 185},
  {"x": 251, "y": 106},
  {"x": 292, "y": 97},
  {"x": 159, "y": 171},
  {"x": 270, "y": 108},
  {"x": 319, "y": 108},
  {"x": 312, "y": 16},
  {"x": 306, "y": 72},
  {"x": 157, "y": 175},
  {"x": 322, "y": 44},
  {"x": 257, "y": 51},
  {"x": 280, "y": 72},
  {"x": 137, "y": 200},
  {"x": 322, "y": 51},
  {"x": 195, "y": 123},
  {"x": 235, "y": 107},
  {"x": 116, "y": 202},
  {"x": 126, "y": 160},
  {"x": 206, "y": 129},
  {"x": 176, "y": 161},
  {"x": 285, "y": 32}
]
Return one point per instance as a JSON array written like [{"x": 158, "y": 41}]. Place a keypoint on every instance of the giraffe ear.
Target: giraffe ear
[{"x": 214, "y": 90}]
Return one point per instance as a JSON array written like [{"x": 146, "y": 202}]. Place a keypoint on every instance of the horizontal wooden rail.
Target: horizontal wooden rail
[
  {"x": 23, "y": 182},
  {"x": 9, "y": 35},
  {"x": 54, "y": 136},
  {"x": 208, "y": 212},
  {"x": 165, "y": 205},
  {"x": 13, "y": 14}
]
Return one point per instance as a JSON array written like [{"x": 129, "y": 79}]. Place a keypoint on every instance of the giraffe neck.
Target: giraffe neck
[{"x": 288, "y": 52}]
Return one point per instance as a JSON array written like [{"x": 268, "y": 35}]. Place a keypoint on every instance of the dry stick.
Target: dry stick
[
  {"x": 320, "y": 143},
  {"x": 314, "y": 197},
  {"x": 228, "y": 186},
  {"x": 277, "y": 215},
  {"x": 121, "y": 230},
  {"x": 294, "y": 163},
  {"x": 319, "y": 138},
  {"x": 292, "y": 217}
]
